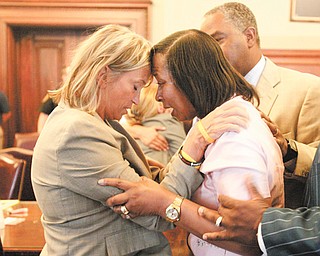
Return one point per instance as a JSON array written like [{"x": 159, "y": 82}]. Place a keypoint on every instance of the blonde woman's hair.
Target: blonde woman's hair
[
  {"x": 113, "y": 46},
  {"x": 147, "y": 107}
]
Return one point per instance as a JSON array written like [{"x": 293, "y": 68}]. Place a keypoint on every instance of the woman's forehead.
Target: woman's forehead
[{"x": 159, "y": 66}]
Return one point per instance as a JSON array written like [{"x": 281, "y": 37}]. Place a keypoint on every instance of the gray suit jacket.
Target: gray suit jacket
[
  {"x": 296, "y": 232},
  {"x": 280, "y": 89},
  {"x": 76, "y": 149}
]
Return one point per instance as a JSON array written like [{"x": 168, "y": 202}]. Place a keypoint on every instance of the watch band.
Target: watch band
[{"x": 178, "y": 201}]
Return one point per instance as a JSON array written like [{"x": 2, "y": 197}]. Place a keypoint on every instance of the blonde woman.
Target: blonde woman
[
  {"x": 81, "y": 142},
  {"x": 151, "y": 113}
]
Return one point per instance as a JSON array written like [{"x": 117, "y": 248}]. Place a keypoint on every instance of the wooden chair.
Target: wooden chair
[
  {"x": 26, "y": 140},
  {"x": 27, "y": 193},
  {"x": 11, "y": 176}
]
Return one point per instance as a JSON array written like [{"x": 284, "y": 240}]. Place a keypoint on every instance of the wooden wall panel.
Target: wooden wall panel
[
  {"x": 302, "y": 60},
  {"x": 49, "y": 59},
  {"x": 25, "y": 75},
  {"x": 42, "y": 60}
]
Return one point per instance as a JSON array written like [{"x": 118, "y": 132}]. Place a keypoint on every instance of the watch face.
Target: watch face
[{"x": 172, "y": 214}]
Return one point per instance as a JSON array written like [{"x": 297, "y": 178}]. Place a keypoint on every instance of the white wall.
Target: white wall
[{"x": 273, "y": 18}]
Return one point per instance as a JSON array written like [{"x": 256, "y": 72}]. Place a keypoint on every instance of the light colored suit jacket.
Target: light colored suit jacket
[
  {"x": 291, "y": 99},
  {"x": 76, "y": 149},
  {"x": 296, "y": 232}
]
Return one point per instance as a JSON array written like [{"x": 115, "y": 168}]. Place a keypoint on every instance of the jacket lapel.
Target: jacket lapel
[
  {"x": 267, "y": 86},
  {"x": 143, "y": 168}
]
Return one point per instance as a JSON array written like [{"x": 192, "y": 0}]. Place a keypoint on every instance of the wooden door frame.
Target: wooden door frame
[{"x": 135, "y": 14}]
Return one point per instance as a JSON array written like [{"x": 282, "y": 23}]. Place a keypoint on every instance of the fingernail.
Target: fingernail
[
  {"x": 101, "y": 182},
  {"x": 204, "y": 237},
  {"x": 200, "y": 211}
]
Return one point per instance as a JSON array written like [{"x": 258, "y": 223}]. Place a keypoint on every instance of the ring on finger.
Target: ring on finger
[
  {"x": 219, "y": 221},
  {"x": 124, "y": 210}
]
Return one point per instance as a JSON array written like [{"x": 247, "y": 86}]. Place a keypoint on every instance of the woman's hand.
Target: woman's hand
[
  {"x": 145, "y": 197},
  {"x": 153, "y": 162},
  {"x": 231, "y": 116},
  {"x": 151, "y": 137}
]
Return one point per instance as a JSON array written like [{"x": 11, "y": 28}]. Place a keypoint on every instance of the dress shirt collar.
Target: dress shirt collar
[{"x": 254, "y": 74}]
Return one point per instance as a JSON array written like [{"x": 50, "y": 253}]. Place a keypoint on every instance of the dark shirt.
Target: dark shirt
[
  {"x": 4, "y": 105},
  {"x": 47, "y": 106}
]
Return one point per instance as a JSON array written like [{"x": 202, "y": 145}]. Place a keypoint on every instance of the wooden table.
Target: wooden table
[{"x": 25, "y": 238}]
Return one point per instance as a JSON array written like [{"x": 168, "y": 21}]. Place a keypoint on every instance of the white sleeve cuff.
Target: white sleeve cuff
[{"x": 260, "y": 241}]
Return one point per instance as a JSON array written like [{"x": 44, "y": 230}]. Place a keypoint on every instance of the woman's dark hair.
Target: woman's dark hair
[{"x": 199, "y": 69}]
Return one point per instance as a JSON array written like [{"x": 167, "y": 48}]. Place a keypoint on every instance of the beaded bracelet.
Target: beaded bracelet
[{"x": 194, "y": 164}]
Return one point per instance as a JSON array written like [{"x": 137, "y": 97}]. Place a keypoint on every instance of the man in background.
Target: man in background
[
  {"x": 5, "y": 114},
  {"x": 289, "y": 99}
]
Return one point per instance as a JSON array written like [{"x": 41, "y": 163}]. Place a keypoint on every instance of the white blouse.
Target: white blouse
[{"x": 230, "y": 161}]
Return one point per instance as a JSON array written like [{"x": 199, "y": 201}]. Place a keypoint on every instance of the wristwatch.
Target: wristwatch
[
  {"x": 173, "y": 211},
  {"x": 291, "y": 152}
]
